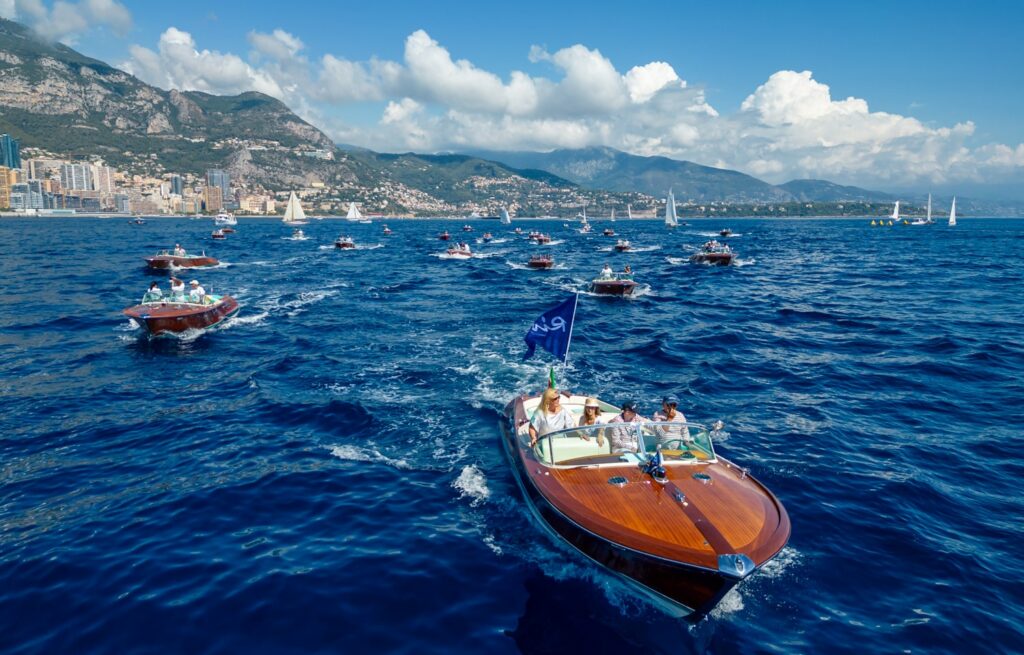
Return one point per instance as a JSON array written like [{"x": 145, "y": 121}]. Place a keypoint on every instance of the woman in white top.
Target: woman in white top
[
  {"x": 550, "y": 416},
  {"x": 591, "y": 416},
  {"x": 177, "y": 289}
]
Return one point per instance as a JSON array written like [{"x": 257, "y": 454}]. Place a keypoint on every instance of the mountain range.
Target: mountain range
[{"x": 62, "y": 102}]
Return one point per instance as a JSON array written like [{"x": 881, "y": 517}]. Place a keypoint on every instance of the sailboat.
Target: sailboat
[
  {"x": 629, "y": 212},
  {"x": 354, "y": 213},
  {"x": 505, "y": 218},
  {"x": 952, "y": 213},
  {"x": 895, "y": 218},
  {"x": 293, "y": 214},
  {"x": 612, "y": 219},
  {"x": 671, "y": 220},
  {"x": 928, "y": 220}
]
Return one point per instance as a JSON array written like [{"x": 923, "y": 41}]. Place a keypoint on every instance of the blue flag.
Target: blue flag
[{"x": 553, "y": 330}]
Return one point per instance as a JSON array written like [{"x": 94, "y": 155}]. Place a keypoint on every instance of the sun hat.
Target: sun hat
[{"x": 591, "y": 402}]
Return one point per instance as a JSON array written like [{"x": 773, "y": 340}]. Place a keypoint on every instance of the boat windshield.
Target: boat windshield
[{"x": 615, "y": 443}]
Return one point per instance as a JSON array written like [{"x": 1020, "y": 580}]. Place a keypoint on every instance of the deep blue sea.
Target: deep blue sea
[{"x": 323, "y": 473}]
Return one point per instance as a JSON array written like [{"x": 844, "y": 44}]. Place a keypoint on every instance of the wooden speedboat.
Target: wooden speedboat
[
  {"x": 608, "y": 232},
  {"x": 167, "y": 316},
  {"x": 387, "y": 231},
  {"x": 539, "y": 238},
  {"x": 613, "y": 287},
  {"x": 228, "y": 230},
  {"x": 487, "y": 237},
  {"x": 218, "y": 234},
  {"x": 713, "y": 253},
  {"x": 541, "y": 262},
  {"x": 138, "y": 220},
  {"x": 444, "y": 236},
  {"x": 467, "y": 228},
  {"x": 650, "y": 502},
  {"x": 460, "y": 253},
  {"x": 345, "y": 243},
  {"x": 622, "y": 246},
  {"x": 725, "y": 233},
  {"x": 164, "y": 260}
]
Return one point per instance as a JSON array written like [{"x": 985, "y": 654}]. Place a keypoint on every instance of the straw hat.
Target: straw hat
[{"x": 592, "y": 402}]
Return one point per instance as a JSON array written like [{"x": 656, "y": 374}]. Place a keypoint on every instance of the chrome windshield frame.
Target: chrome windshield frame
[{"x": 644, "y": 434}]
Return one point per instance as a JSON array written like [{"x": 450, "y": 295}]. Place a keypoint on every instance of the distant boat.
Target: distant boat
[
  {"x": 505, "y": 218},
  {"x": 670, "y": 210},
  {"x": 952, "y": 213},
  {"x": 224, "y": 218},
  {"x": 928, "y": 220},
  {"x": 612, "y": 219},
  {"x": 629, "y": 212},
  {"x": 293, "y": 214},
  {"x": 895, "y": 218},
  {"x": 353, "y": 212}
]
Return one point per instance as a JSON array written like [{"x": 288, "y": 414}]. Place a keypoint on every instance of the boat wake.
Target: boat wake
[
  {"x": 523, "y": 267},
  {"x": 718, "y": 235},
  {"x": 372, "y": 455},
  {"x": 295, "y": 238},
  {"x": 472, "y": 484}
]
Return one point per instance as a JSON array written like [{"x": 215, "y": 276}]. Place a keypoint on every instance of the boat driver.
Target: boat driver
[
  {"x": 153, "y": 294},
  {"x": 623, "y": 438},
  {"x": 669, "y": 414},
  {"x": 607, "y": 273},
  {"x": 196, "y": 293},
  {"x": 177, "y": 289},
  {"x": 178, "y": 250},
  {"x": 550, "y": 416}
]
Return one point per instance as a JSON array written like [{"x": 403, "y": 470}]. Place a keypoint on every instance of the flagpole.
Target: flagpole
[{"x": 572, "y": 324}]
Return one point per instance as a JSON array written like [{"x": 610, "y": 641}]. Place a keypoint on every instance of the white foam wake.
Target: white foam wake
[{"x": 472, "y": 484}]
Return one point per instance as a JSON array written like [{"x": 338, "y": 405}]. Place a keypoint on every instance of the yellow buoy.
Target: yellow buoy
[
  {"x": 873, "y": 223},
  {"x": 890, "y": 223}
]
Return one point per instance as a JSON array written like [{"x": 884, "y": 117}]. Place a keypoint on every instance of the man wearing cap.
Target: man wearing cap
[
  {"x": 196, "y": 294},
  {"x": 623, "y": 438},
  {"x": 668, "y": 414}
]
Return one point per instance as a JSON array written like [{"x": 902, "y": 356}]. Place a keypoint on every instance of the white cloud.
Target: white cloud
[
  {"x": 65, "y": 21},
  {"x": 788, "y": 127}
]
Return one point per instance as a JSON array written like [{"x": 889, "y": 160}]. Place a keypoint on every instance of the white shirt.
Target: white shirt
[
  {"x": 624, "y": 438},
  {"x": 671, "y": 432},
  {"x": 177, "y": 289},
  {"x": 546, "y": 423},
  {"x": 197, "y": 294}
]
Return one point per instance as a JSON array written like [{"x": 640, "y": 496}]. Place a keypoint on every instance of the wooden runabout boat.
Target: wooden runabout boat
[
  {"x": 613, "y": 286},
  {"x": 444, "y": 236},
  {"x": 650, "y": 502},
  {"x": 345, "y": 243},
  {"x": 228, "y": 230},
  {"x": 714, "y": 253},
  {"x": 218, "y": 234},
  {"x": 467, "y": 228},
  {"x": 622, "y": 246},
  {"x": 387, "y": 231},
  {"x": 165, "y": 260},
  {"x": 487, "y": 237},
  {"x": 725, "y": 233},
  {"x": 541, "y": 262},
  {"x": 608, "y": 232},
  {"x": 460, "y": 253},
  {"x": 175, "y": 316}
]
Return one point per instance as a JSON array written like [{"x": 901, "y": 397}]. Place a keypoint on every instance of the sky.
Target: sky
[{"x": 893, "y": 96}]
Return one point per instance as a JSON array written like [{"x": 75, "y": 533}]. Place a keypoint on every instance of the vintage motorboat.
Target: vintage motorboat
[
  {"x": 444, "y": 236},
  {"x": 345, "y": 243},
  {"x": 467, "y": 228},
  {"x": 298, "y": 234},
  {"x": 585, "y": 228},
  {"x": 487, "y": 237},
  {"x": 650, "y": 502},
  {"x": 137, "y": 220},
  {"x": 713, "y": 252},
  {"x": 608, "y": 232},
  {"x": 613, "y": 286},
  {"x": 541, "y": 262},
  {"x": 518, "y": 230},
  {"x": 725, "y": 233},
  {"x": 460, "y": 252},
  {"x": 539, "y": 238},
  {"x": 166, "y": 259},
  {"x": 622, "y": 246},
  {"x": 224, "y": 218},
  {"x": 227, "y": 230},
  {"x": 218, "y": 234},
  {"x": 387, "y": 231},
  {"x": 165, "y": 315}
]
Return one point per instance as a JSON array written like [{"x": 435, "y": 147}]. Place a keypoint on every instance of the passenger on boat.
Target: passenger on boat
[
  {"x": 624, "y": 439},
  {"x": 178, "y": 250},
  {"x": 153, "y": 294},
  {"x": 177, "y": 290},
  {"x": 668, "y": 414},
  {"x": 627, "y": 273},
  {"x": 607, "y": 273},
  {"x": 591, "y": 416},
  {"x": 550, "y": 416},
  {"x": 196, "y": 294}
]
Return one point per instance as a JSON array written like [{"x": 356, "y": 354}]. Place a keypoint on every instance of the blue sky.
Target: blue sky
[{"x": 934, "y": 65}]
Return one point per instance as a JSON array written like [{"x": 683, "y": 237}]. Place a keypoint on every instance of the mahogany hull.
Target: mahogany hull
[
  {"x": 171, "y": 317},
  {"x": 344, "y": 245},
  {"x": 622, "y": 248},
  {"x": 613, "y": 287},
  {"x": 715, "y": 258},
  {"x": 164, "y": 262},
  {"x": 541, "y": 263}
]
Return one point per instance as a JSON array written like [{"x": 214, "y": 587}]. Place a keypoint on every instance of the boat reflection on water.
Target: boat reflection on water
[{"x": 649, "y": 501}]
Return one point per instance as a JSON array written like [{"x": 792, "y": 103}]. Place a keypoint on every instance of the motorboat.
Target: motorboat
[
  {"x": 650, "y": 502},
  {"x": 137, "y": 220},
  {"x": 725, "y": 233},
  {"x": 541, "y": 262},
  {"x": 585, "y": 228},
  {"x": 387, "y": 231},
  {"x": 539, "y": 238},
  {"x": 608, "y": 232},
  {"x": 227, "y": 230},
  {"x": 444, "y": 236},
  {"x": 622, "y": 245},
  {"x": 218, "y": 234},
  {"x": 224, "y": 218},
  {"x": 298, "y": 234},
  {"x": 345, "y": 243},
  {"x": 165, "y": 259},
  {"x": 461, "y": 251},
  {"x": 713, "y": 252},
  {"x": 467, "y": 228},
  {"x": 518, "y": 230},
  {"x": 487, "y": 237},
  {"x": 161, "y": 316},
  {"x": 613, "y": 286}
]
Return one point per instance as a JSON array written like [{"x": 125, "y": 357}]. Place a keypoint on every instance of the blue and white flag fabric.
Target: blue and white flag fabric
[{"x": 553, "y": 330}]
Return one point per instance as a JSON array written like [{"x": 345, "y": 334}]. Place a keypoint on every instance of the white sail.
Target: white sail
[
  {"x": 670, "y": 210},
  {"x": 629, "y": 212},
  {"x": 293, "y": 212},
  {"x": 896, "y": 211},
  {"x": 613, "y": 215},
  {"x": 952, "y": 212},
  {"x": 353, "y": 212},
  {"x": 505, "y": 218},
  {"x": 929, "y": 217}
]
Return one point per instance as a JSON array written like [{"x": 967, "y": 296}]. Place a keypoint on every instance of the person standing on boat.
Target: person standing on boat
[
  {"x": 177, "y": 290},
  {"x": 196, "y": 294},
  {"x": 153, "y": 294},
  {"x": 607, "y": 273},
  {"x": 178, "y": 250},
  {"x": 627, "y": 273},
  {"x": 550, "y": 416},
  {"x": 623, "y": 437},
  {"x": 669, "y": 414}
]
